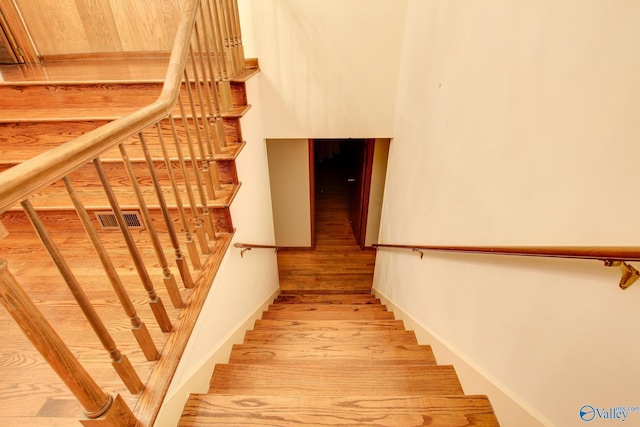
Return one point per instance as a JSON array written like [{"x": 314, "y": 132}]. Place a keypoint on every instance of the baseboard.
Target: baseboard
[
  {"x": 198, "y": 382},
  {"x": 508, "y": 410}
]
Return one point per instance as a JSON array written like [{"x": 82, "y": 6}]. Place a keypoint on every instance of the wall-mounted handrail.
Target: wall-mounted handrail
[
  {"x": 610, "y": 255},
  {"x": 248, "y": 246}
]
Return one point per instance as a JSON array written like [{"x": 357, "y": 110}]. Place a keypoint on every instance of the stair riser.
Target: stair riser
[
  {"x": 86, "y": 177},
  {"x": 52, "y": 96},
  {"x": 327, "y": 299},
  {"x": 63, "y": 220},
  {"x": 297, "y": 316},
  {"x": 326, "y": 308},
  {"x": 21, "y": 141}
]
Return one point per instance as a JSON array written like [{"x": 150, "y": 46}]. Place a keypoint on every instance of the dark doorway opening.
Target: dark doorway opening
[{"x": 341, "y": 174}]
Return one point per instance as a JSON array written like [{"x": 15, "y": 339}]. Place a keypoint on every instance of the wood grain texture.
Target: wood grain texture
[
  {"x": 326, "y": 299},
  {"x": 146, "y": 26},
  {"x": 335, "y": 380},
  {"x": 99, "y": 25},
  {"x": 337, "y": 264},
  {"x": 333, "y": 354},
  {"x": 329, "y": 315},
  {"x": 328, "y": 325},
  {"x": 85, "y": 26},
  {"x": 54, "y": 25},
  {"x": 382, "y": 411},
  {"x": 257, "y": 336}
]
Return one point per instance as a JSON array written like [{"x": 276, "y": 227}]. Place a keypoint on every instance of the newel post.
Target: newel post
[{"x": 98, "y": 405}]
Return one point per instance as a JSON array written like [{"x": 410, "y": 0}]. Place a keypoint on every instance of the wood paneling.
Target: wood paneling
[
  {"x": 146, "y": 25},
  {"x": 66, "y": 27},
  {"x": 55, "y": 26},
  {"x": 99, "y": 25}
]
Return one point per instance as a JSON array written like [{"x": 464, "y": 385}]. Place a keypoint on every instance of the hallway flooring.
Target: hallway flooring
[{"x": 336, "y": 264}]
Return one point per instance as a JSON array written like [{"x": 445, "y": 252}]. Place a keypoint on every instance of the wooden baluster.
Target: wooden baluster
[
  {"x": 208, "y": 223},
  {"x": 226, "y": 34},
  {"x": 231, "y": 42},
  {"x": 212, "y": 8},
  {"x": 206, "y": 175},
  {"x": 183, "y": 268},
  {"x": 155, "y": 302},
  {"x": 46, "y": 340},
  {"x": 224, "y": 86},
  {"x": 191, "y": 246},
  {"x": 212, "y": 180},
  {"x": 200, "y": 233},
  {"x": 238, "y": 35},
  {"x": 139, "y": 329},
  {"x": 167, "y": 275},
  {"x": 119, "y": 361},
  {"x": 213, "y": 144},
  {"x": 216, "y": 70}
]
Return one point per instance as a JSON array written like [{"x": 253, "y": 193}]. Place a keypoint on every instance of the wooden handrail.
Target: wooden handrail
[
  {"x": 20, "y": 182},
  {"x": 248, "y": 246},
  {"x": 603, "y": 253},
  {"x": 23, "y": 179},
  {"x": 610, "y": 255}
]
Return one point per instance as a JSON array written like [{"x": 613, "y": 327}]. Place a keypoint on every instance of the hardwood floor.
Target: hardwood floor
[{"x": 336, "y": 264}]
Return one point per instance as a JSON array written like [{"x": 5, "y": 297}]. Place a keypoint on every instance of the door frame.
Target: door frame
[
  {"x": 364, "y": 191},
  {"x": 17, "y": 33},
  {"x": 312, "y": 191}
]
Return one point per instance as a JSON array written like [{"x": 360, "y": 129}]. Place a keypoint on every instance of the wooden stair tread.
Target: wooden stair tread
[
  {"x": 326, "y": 299},
  {"x": 204, "y": 410},
  {"x": 266, "y": 336},
  {"x": 333, "y": 353},
  {"x": 93, "y": 113},
  {"x": 335, "y": 380},
  {"x": 95, "y": 199},
  {"x": 329, "y": 325}
]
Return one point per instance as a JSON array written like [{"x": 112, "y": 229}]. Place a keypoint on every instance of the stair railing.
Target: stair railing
[
  {"x": 189, "y": 112},
  {"x": 612, "y": 256},
  {"x": 244, "y": 247}
]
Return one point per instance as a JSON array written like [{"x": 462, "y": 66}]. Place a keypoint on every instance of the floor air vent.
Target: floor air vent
[{"x": 108, "y": 220}]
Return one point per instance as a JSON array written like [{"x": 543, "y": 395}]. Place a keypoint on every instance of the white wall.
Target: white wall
[
  {"x": 516, "y": 123},
  {"x": 376, "y": 194},
  {"x": 290, "y": 191},
  {"x": 242, "y": 286},
  {"x": 330, "y": 67}
]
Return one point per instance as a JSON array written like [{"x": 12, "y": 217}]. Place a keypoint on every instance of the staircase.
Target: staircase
[
  {"x": 333, "y": 359},
  {"x": 44, "y": 106},
  {"x": 42, "y": 110}
]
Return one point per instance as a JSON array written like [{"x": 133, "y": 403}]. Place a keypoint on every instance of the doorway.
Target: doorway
[{"x": 342, "y": 171}]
